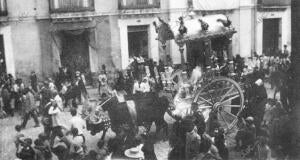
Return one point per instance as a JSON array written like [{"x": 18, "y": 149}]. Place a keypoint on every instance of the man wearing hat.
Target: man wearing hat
[{"x": 25, "y": 151}]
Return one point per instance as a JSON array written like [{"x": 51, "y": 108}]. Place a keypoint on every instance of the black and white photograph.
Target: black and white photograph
[{"x": 149, "y": 79}]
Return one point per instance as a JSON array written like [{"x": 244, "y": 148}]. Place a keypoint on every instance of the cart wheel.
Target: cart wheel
[{"x": 224, "y": 97}]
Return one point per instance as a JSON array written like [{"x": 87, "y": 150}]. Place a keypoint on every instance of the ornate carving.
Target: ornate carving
[
  {"x": 226, "y": 23},
  {"x": 204, "y": 25},
  {"x": 182, "y": 29}
]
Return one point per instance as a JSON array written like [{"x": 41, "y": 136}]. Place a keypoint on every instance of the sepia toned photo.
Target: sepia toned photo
[{"x": 149, "y": 79}]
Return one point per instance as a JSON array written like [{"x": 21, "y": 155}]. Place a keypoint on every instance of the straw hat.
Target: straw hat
[
  {"x": 135, "y": 152},
  {"x": 169, "y": 119}
]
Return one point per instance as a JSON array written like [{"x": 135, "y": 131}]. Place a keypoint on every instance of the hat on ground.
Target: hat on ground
[{"x": 135, "y": 152}]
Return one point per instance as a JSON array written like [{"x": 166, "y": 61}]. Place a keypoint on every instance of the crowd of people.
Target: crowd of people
[
  {"x": 48, "y": 101},
  {"x": 68, "y": 89}
]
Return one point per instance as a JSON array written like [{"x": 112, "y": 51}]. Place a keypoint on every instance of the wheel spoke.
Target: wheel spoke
[
  {"x": 232, "y": 115},
  {"x": 205, "y": 100},
  {"x": 231, "y": 98},
  {"x": 227, "y": 93},
  {"x": 231, "y": 106},
  {"x": 220, "y": 91},
  {"x": 232, "y": 124},
  {"x": 204, "y": 107},
  {"x": 223, "y": 119}
]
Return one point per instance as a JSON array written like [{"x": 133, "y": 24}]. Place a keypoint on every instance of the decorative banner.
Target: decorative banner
[{"x": 208, "y": 5}]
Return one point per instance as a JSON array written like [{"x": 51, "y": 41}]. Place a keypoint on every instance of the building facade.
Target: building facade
[{"x": 42, "y": 36}]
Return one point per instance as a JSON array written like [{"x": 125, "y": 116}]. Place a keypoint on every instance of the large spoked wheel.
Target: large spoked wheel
[{"x": 224, "y": 97}]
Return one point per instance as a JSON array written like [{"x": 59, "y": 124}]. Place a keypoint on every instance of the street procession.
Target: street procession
[{"x": 148, "y": 80}]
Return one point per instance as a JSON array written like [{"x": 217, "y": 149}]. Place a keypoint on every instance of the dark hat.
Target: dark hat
[
  {"x": 28, "y": 141},
  {"x": 42, "y": 136}
]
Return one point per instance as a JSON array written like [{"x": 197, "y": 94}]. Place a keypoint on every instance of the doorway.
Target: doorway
[
  {"x": 271, "y": 35},
  {"x": 2, "y": 57},
  {"x": 75, "y": 51},
  {"x": 138, "y": 43}
]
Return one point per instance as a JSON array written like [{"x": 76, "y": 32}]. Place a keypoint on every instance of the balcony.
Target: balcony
[
  {"x": 3, "y": 8},
  {"x": 66, "y": 6},
  {"x": 274, "y": 3},
  {"x": 139, "y": 4}
]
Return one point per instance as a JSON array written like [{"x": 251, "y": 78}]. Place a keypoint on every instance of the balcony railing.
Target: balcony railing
[
  {"x": 3, "y": 8},
  {"x": 139, "y": 4},
  {"x": 273, "y": 3},
  {"x": 63, "y": 6}
]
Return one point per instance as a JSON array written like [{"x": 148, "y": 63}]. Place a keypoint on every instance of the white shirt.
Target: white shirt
[
  {"x": 145, "y": 87},
  {"x": 79, "y": 123},
  {"x": 51, "y": 86},
  {"x": 136, "y": 87},
  {"x": 147, "y": 69},
  {"x": 76, "y": 142},
  {"x": 102, "y": 79},
  {"x": 196, "y": 75},
  {"x": 63, "y": 89},
  {"x": 59, "y": 102},
  {"x": 55, "y": 114}
]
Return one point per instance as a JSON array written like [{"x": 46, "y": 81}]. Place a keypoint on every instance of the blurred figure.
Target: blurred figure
[
  {"x": 80, "y": 84},
  {"x": 45, "y": 95},
  {"x": 102, "y": 79},
  {"x": 136, "y": 87},
  {"x": 77, "y": 142},
  {"x": 77, "y": 122},
  {"x": 55, "y": 112},
  {"x": 246, "y": 136},
  {"x": 58, "y": 99},
  {"x": 44, "y": 146},
  {"x": 29, "y": 108},
  {"x": 33, "y": 81},
  {"x": 6, "y": 99},
  {"x": 145, "y": 86},
  {"x": 25, "y": 150},
  {"x": 285, "y": 51},
  {"x": 196, "y": 75}
]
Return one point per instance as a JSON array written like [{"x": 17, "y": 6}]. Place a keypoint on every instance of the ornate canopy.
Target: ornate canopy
[{"x": 193, "y": 28}]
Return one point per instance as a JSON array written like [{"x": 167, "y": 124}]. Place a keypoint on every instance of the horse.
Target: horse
[{"x": 137, "y": 110}]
